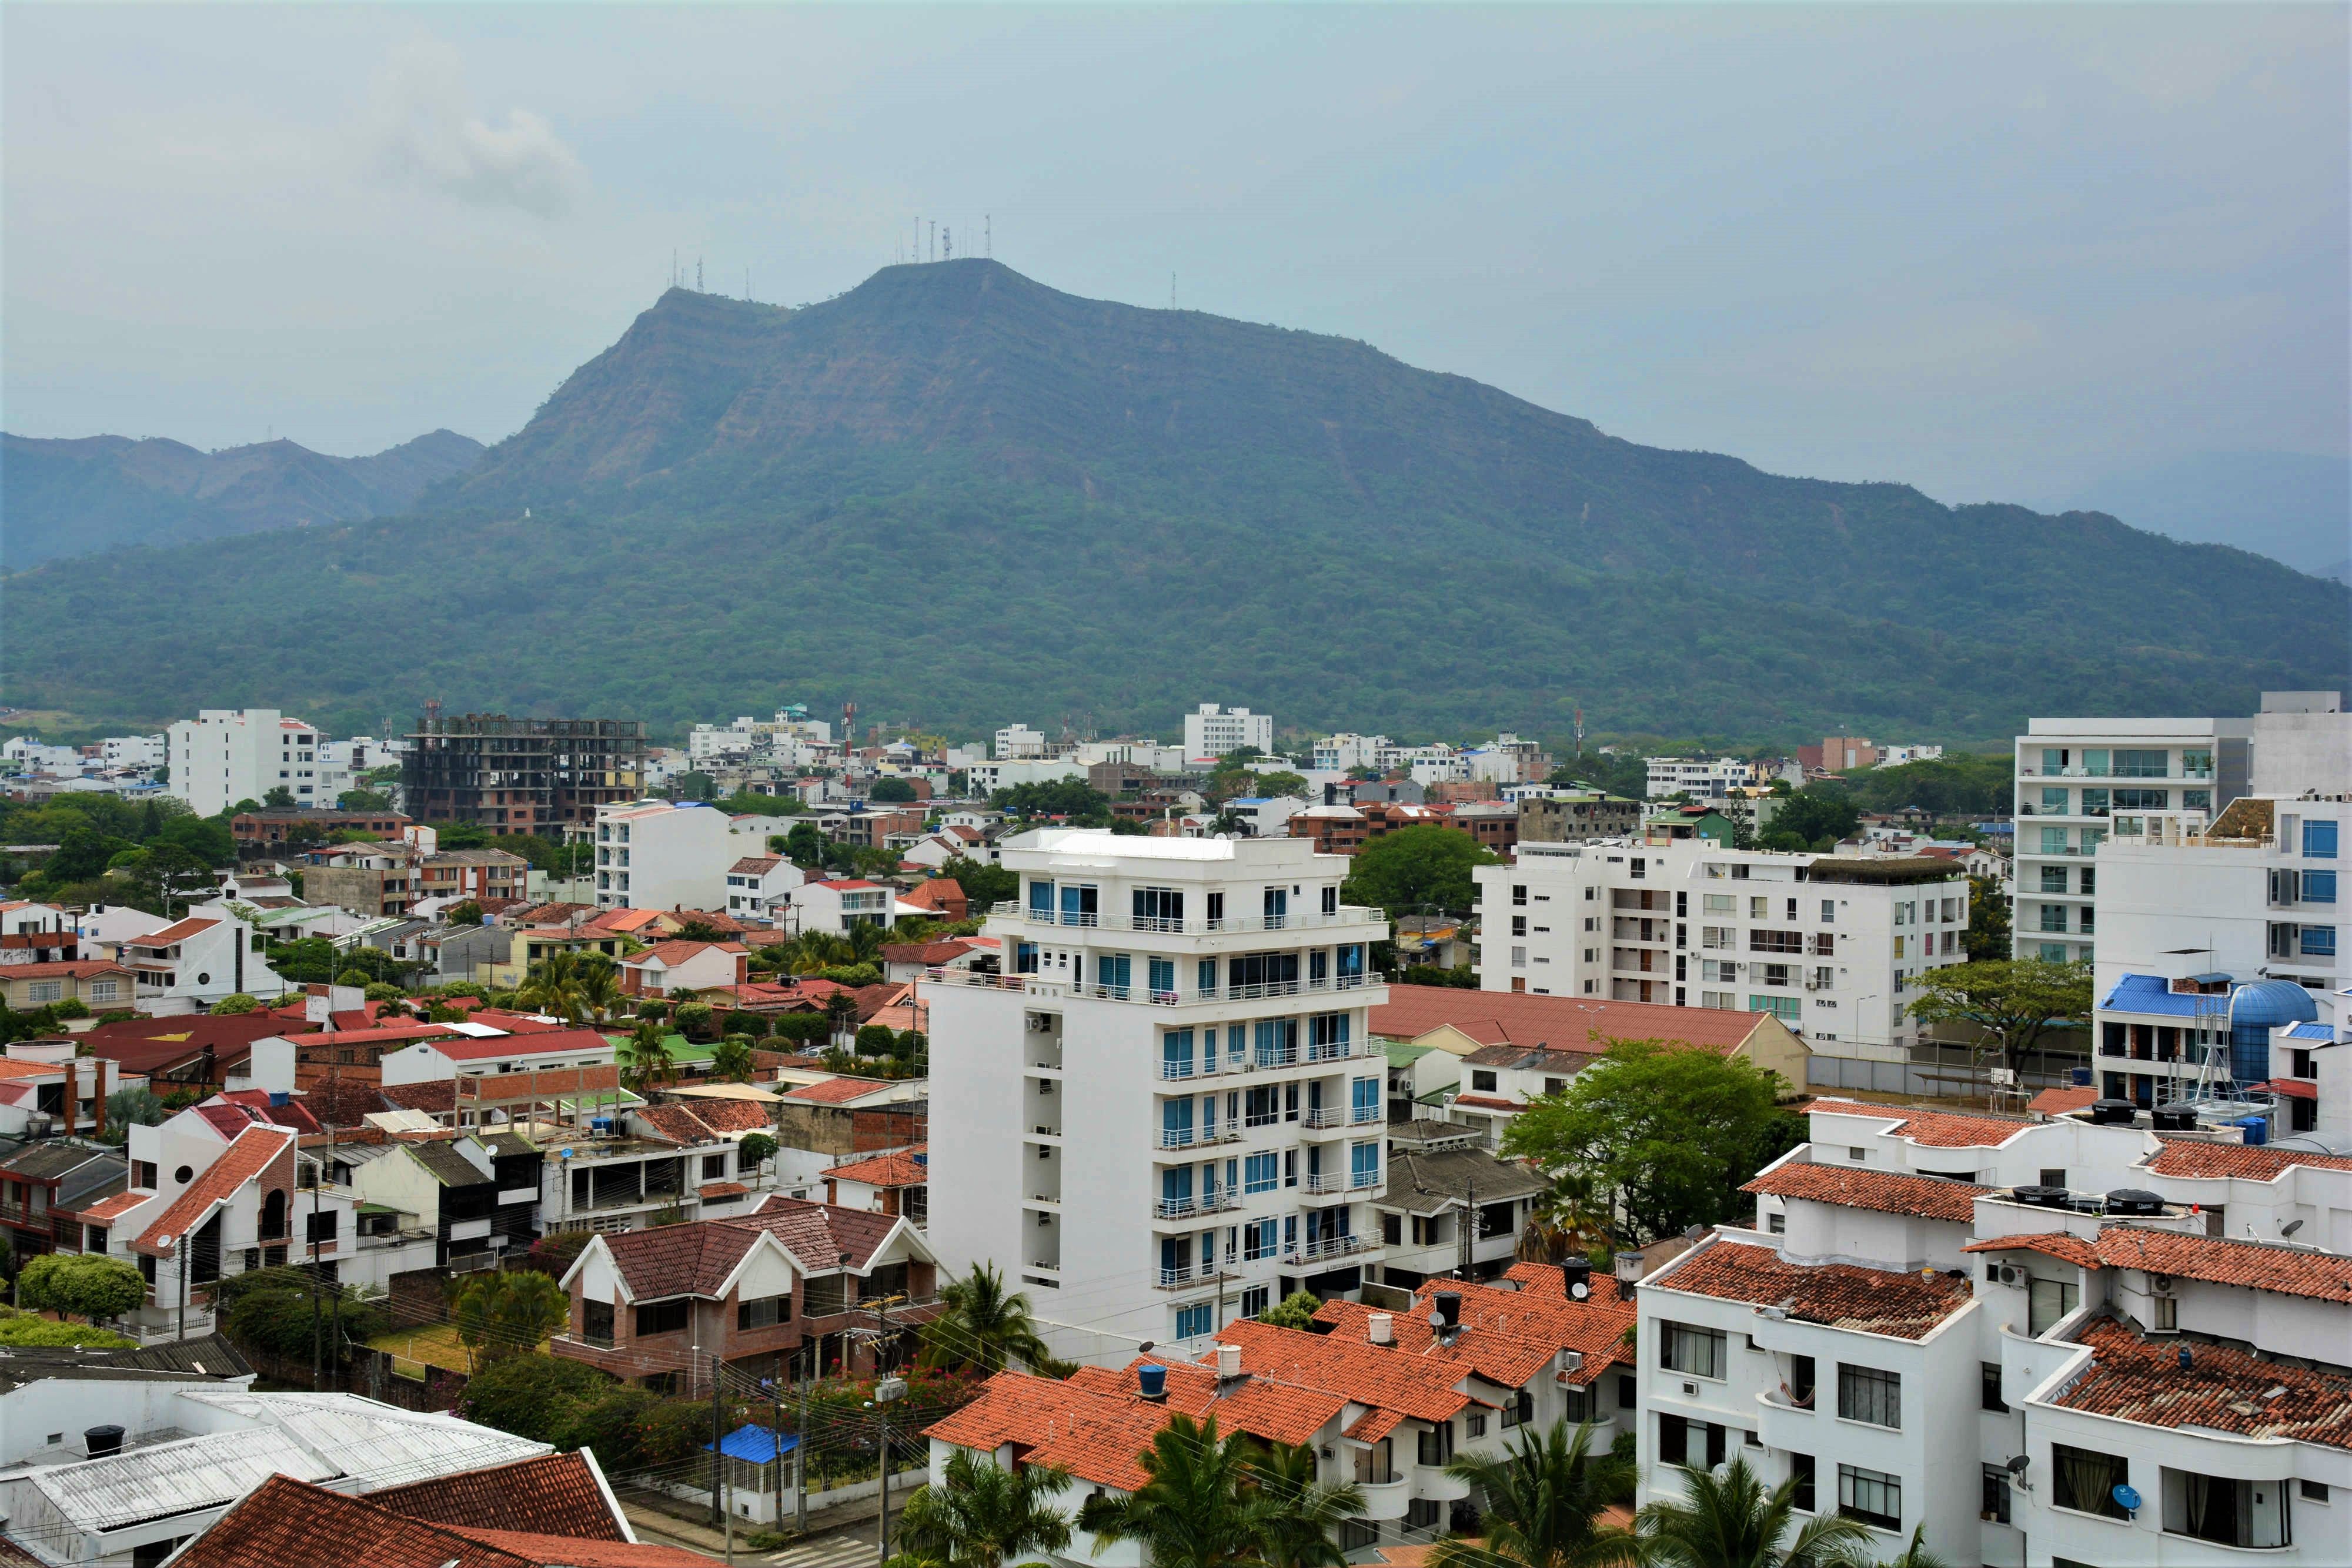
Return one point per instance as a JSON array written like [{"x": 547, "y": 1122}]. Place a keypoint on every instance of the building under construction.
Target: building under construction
[{"x": 521, "y": 775}]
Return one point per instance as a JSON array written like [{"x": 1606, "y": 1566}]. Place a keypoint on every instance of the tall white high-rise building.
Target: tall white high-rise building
[
  {"x": 226, "y": 754},
  {"x": 1833, "y": 947},
  {"x": 1169, "y": 1114},
  {"x": 1212, "y": 731},
  {"x": 661, "y": 854}
]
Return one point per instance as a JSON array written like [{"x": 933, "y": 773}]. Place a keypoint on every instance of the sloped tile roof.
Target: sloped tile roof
[
  {"x": 1843, "y": 1295},
  {"x": 434, "y": 1098},
  {"x": 837, "y": 1090},
  {"x": 179, "y": 931},
  {"x": 2284, "y": 1270},
  {"x": 1096, "y": 1437},
  {"x": 1931, "y": 1129},
  {"x": 820, "y": 1233},
  {"x": 1562, "y": 1023},
  {"x": 900, "y": 1167},
  {"x": 678, "y": 1260},
  {"x": 2190, "y": 1157},
  {"x": 557, "y": 1494},
  {"x": 63, "y": 970},
  {"x": 2062, "y": 1101},
  {"x": 1508, "y": 1336},
  {"x": 249, "y": 1155},
  {"x": 2052, "y": 1244},
  {"x": 1427, "y": 1387},
  {"x": 2133, "y": 1379},
  {"x": 1887, "y": 1192}
]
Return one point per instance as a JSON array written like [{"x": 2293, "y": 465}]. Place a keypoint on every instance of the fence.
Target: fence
[{"x": 1934, "y": 1070}]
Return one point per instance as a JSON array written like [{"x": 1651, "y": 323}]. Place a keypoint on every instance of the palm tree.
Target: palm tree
[
  {"x": 814, "y": 950},
  {"x": 982, "y": 1326},
  {"x": 1567, "y": 1221},
  {"x": 1916, "y": 1555},
  {"x": 1543, "y": 1499},
  {"x": 1196, "y": 1511},
  {"x": 1301, "y": 1515},
  {"x": 730, "y": 1059},
  {"x": 644, "y": 1057},
  {"x": 553, "y": 988},
  {"x": 865, "y": 938},
  {"x": 1729, "y": 1521},
  {"x": 600, "y": 984},
  {"x": 984, "y": 1514}
]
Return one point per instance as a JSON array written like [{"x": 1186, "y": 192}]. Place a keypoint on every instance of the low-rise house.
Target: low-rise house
[
  {"x": 1577, "y": 817},
  {"x": 1441, "y": 1183},
  {"x": 896, "y": 1182},
  {"x": 903, "y": 963},
  {"x": 36, "y": 934},
  {"x": 936, "y": 898},
  {"x": 819, "y": 1125},
  {"x": 258, "y": 833},
  {"x": 104, "y": 927},
  {"x": 759, "y": 887},
  {"x": 99, "y": 983},
  {"x": 668, "y": 967},
  {"x": 837, "y": 904},
  {"x": 47, "y": 1087},
  {"x": 44, "y": 1188},
  {"x": 779, "y": 1292},
  {"x": 191, "y": 964}
]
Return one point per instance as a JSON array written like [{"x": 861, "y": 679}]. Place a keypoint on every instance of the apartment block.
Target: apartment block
[
  {"x": 1212, "y": 731},
  {"x": 1169, "y": 1112},
  {"x": 1833, "y": 947},
  {"x": 664, "y": 855},
  {"x": 1577, "y": 817},
  {"x": 521, "y": 775},
  {"x": 1703, "y": 778},
  {"x": 226, "y": 754}
]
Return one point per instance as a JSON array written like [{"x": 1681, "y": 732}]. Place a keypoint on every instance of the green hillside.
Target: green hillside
[{"x": 960, "y": 497}]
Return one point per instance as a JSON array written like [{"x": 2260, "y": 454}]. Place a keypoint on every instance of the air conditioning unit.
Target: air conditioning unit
[
  {"x": 2162, "y": 1283},
  {"x": 1690, "y": 1390},
  {"x": 2009, "y": 1274}
]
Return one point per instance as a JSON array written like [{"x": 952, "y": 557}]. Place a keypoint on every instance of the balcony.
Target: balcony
[
  {"x": 1324, "y": 1182},
  {"x": 1349, "y": 916},
  {"x": 1037, "y": 985},
  {"x": 1388, "y": 1498},
  {"x": 1781, "y": 1422},
  {"x": 1189, "y": 1139},
  {"x": 1326, "y": 1117},
  {"x": 1327, "y": 1247},
  {"x": 1217, "y": 1202}
]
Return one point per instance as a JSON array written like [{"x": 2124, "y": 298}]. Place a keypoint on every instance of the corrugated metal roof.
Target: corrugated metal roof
[
  {"x": 380, "y": 1445},
  {"x": 175, "y": 1478}
]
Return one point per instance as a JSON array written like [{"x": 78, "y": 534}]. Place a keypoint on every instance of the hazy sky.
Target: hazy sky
[{"x": 1993, "y": 251}]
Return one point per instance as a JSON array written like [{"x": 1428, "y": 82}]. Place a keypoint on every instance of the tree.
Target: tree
[
  {"x": 804, "y": 845},
  {"x": 1545, "y": 1496},
  {"x": 1295, "y": 1311},
  {"x": 1194, "y": 1510},
  {"x": 1987, "y": 939},
  {"x": 162, "y": 874},
  {"x": 364, "y": 800},
  {"x": 278, "y": 798},
  {"x": 1567, "y": 1221},
  {"x": 1297, "y": 1515},
  {"x": 985, "y": 886},
  {"x": 753, "y": 1150},
  {"x": 1815, "y": 817},
  {"x": 1669, "y": 1133},
  {"x": 23, "y": 1329},
  {"x": 507, "y": 1314},
  {"x": 539, "y": 1397},
  {"x": 1916, "y": 1553},
  {"x": 127, "y": 1108},
  {"x": 893, "y": 790},
  {"x": 984, "y": 1513},
  {"x": 2014, "y": 1001},
  {"x": 1423, "y": 864},
  {"x": 466, "y": 912},
  {"x": 235, "y": 1005},
  {"x": 87, "y": 1284},
  {"x": 553, "y": 988},
  {"x": 1275, "y": 786},
  {"x": 645, "y": 1058},
  {"x": 599, "y": 981},
  {"x": 1055, "y": 797},
  {"x": 877, "y": 1039},
  {"x": 730, "y": 1060},
  {"x": 983, "y": 1327},
  {"x": 698, "y": 1022},
  {"x": 1731, "y": 1521}
]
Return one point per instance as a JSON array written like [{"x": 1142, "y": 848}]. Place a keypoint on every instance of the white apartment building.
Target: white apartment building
[
  {"x": 1171, "y": 1101},
  {"x": 135, "y": 750},
  {"x": 664, "y": 855},
  {"x": 790, "y": 736},
  {"x": 1830, "y": 946},
  {"x": 986, "y": 778},
  {"x": 226, "y": 754},
  {"x": 1346, "y": 752},
  {"x": 1212, "y": 731},
  {"x": 1928, "y": 1328},
  {"x": 189, "y": 965},
  {"x": 759, "y": 887},
  {"x": 1019, "y": 743},
  {"x": 1703, "y": 778}
]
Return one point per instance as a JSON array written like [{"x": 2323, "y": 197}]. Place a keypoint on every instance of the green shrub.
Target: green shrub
[
  {"x": 233, "y": 1006},
  {"x": 696, "y": 1021},
  {"x": 801, "y": 1029}
]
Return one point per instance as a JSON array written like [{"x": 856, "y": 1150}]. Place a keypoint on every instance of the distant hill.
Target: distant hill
[
  {"x": 62, "y": 498},
  {"x": 2293, "y": 506},
  {"x": 957, "y": 495}
]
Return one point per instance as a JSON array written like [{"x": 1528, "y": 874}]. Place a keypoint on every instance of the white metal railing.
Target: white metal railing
[
  {"x": 1328, "y": 1116},
  {"x": 1329, "y": 1247},
  {"x": 1216, "y": 1202},
  {"x": 1321, "y": 1182},
  {"x": 1147, "y": 995},
  {"x": 1347, "y": 916}
]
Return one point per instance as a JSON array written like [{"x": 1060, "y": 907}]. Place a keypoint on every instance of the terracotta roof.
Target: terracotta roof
[
  {"x": 435, "y": 1098},
  {"x": 63, "y": 970},
  {"x": 230, "y": 1113},
  {"x": 820, "y": 1235},
  {"x": 179, "y": 931},
  {"x": 846, "y": 885},
  {"x": 900, "y": 1167},
  {"x": 2293, "y": 1088},
  {"x": 2286, "y": 1270},
  {"x": 837, "y": 1090},
  {"x": 1096, "y": 1437},
  {"x": 557, "y": 1494},
  {"x": 703, "y": 1122},
  {"x": 2135, "y": 1379},
  {"x": 1427, "y": 1387},
  {"x": 1489, "y": 1103},
  {"x": 548, "y": 1042},
  {"x": 1508, "y": 1337},
  {"x": 2194, "y": 1157},
  {"x": 678, "y": 1260},
  {"x": 1931, "y": 1129},
  {"x": 719, "y": 1189},
  {"x": 109, "y": 1208},
  {"x": 1563, "y": 1023},
  {"x": 671, "y": 953},
  {"x": 2062, "y": 1101},
  {"x": 756, "y": 865},
  {"x": 345, "y": 1101},
  {"x": 925, "y": 952},
  {"x": 1889, "y": 1192},
  {"x": 935, "y": 893},
  {"x": 247, "y": 1157},
  {"x": 159, "y": 1044},
  {"x": 1843, "y": 1295}
]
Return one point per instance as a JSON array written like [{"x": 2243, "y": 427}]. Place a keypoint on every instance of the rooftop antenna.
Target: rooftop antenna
[
  {"x": 1172, "y": 291},
  {"x": 947, "y": 245},
  {"x": 672, "y": 266},
  {"x": 698, "y": 275},
  {"x": 987, "y": 234},
  {"x": 934, "y": 252}
]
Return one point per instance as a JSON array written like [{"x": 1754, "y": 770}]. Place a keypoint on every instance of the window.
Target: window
[
  {"x": 1198, "y": 1319},
  {"x": 2312, "y": 1491},
  {"x": 1518, "y": 924},
  {"x": 2318, "y": 840},
  {"x": 1629, "y": 1389},
  {"x": 714, "y": 1167},
  {"x": 320, "y": 1228},
  {"x": 2143, "y": 800},
  {"x": 1872, "y": 1497},
  {"x": 1481, "y": 1082},
  {"x": 1801, "y": 1381},
  {"x": 1518, "y": 893},
  {"x": 1988, "y": 1395},
  {"x": 1695, "y": 1351},
  {"x": 1800, "y": 1471},
  {"x": 1788, "y": 1009},
  {"x": 2225, "y": 1510},
  {"x": 1776, "y": 942},
  {"x": 1436, "y": 1444},
  {"x": 1257, "y": 1241},
  {"x": 664, "y": 1317},
  {"x": 2319, "y": 941},
  {"x": 763, "y": 1312},
  {"x": 1259, "y": 1173},
  {"x": 1255, "y": 1300},
  {"x": 1698, "y": 1444},
  {"x": 596, "y": 1322},
  {"x": 1866, "y": 1393},
  {"x": 2086, "y": 1480},
  {"x": 1996, "y": 1494},
  {"x": 2319, "y": 887},
  {"x": 1363, "y": 1164}
]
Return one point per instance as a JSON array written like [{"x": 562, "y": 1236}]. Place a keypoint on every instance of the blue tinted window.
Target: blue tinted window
[
  {"x": 2319, "y": 887},
  {"x": 2319, "y": 941},
  {"x": 2319, "y": 840}
]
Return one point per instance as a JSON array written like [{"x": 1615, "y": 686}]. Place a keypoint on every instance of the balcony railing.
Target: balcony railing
[
  {"x": 1216, "y": 1202},
  {"x": 1192, "y": 1138},
  {"x": 1347, "y": 916},
  {"x": 1183, "y": 1069},
  {"x": 1037, "y": 985},
  {"x": 1324, "y": 1182},
  {"x": 1327, "y": 1117},
  {"x": 1329, "y": 1247}
]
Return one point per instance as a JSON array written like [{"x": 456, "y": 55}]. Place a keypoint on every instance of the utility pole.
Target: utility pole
[
  {"x": 776, "y": 1449},
  {"x": 1469, "y": 1231},
  {"x": 800, "y": 1466},
  {"x": 886, "y": 1389},
  {"x": 718, "y": 1435},
  {"x": 183, "y": 1285}
]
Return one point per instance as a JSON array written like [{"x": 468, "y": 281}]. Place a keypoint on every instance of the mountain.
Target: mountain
[
  {"x": 960, "y": 497},
  {"x": 62, "y": 498},
  {"x": 2294, "y": 506}
]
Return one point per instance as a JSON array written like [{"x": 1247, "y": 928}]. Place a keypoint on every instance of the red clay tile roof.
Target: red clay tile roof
[
  {"x": 898, "y": 1168},
  {"x": 1508, "y": 1336},
  {"x": 2193, "y": 1158},
  {"x": 678, "y": 1260},
  {"x": 1095, "y": 1436},
  {"x": 722, "y": 1115},
  {"x": 1843, "y": 1295},
  {"x": 936, "y": 893},
  {"x": 2062, "y": 1101},
  {"x": 107, "y": 1209},
  {"x": 2288, "y": 1271},
  {"x": 159, "y": 1044},
  {"x": 837, "y": 1090},
  {"x": 63, "y": 970},
  {"x": 2293, "y": 1088},
  {"x": 1887, "y": 1192},
  {"x": 495, "y": 1048},
  {"x": 557, "y": 1494},
  {"x": 231, "y": 1113},
  {"x": 434, "y": 1099},
  {"x": 2133, "y": 1379},
  {"x": 1563, "y": 1023},
  {"x": 671, "y": 953},
  {"x": 676, "y": 1124},
  {"x": 569, "y": 1552},
  {"x": 820, "y": 1233},
  {"x": 179, "y": 931},
  {"x": 345, "y": 1101},
  {"x": 719, "y": 1189},
  {"x": 1931, "y": 1129},
  {"x": 1426, "y": 1387},
  {"x": 756, "y": 865},
  {"x": 926, "y": 953},
  {"x": 251, "y": 1153}
]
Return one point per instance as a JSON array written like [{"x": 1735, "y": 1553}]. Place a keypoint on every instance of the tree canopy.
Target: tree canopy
[
  {"x": 1422, "y": 864},
  {"x": 2013, "y": 1002}
]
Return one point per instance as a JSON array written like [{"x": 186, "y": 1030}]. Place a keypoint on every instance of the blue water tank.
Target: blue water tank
[
  {"x": 2082, "y": 1077},
  {"x": 1151, "y": 1380},
  {"x": 2255, "y": 1009},
  {"x": 2258, "y": 1131}
]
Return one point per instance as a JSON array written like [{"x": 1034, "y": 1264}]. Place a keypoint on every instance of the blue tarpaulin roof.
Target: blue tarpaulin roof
[{"x": 753, "y": 1445}]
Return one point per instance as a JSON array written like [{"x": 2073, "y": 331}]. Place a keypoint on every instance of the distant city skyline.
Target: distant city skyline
[{"x": 2001, "y": 253}]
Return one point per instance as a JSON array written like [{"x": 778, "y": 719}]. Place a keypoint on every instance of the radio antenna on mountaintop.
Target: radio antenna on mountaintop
[
  {"x": 947, "y": 245},
  {"x": 1172, "y": 291},
  {"x": 698, "y": 275},
  {"x": 987, "y": 234}
]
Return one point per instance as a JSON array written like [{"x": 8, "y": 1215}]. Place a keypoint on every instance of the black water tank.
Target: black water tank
[
  {"x": 1576, "y": 1279},
  {"x": 2113, "y": 1113},
  {"x": 2042, "y": 1197},
  {"x": 2173, "y": 1121},
  {"x": 1449, "y": 1309},
  {"x": 2134, "y": 1200},
  {"x": 100, "y": 1441}
]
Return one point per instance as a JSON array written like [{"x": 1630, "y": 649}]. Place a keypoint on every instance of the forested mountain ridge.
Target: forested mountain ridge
[
  {"x": 956, "y": 495},
  {"x": 72, "y": 497}
]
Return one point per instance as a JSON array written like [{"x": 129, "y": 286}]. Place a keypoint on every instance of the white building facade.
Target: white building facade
[
  {"x": 1170, "y": 1112},
  {"x": 663, "y": 854},
  {"x": 1212, "y": 731},
  {"x": 1703, "y": 777},
  {"x": 226, "y": 754}
]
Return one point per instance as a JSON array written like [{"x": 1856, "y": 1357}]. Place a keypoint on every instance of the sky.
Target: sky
[{"x": 2002, "y": 252}]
